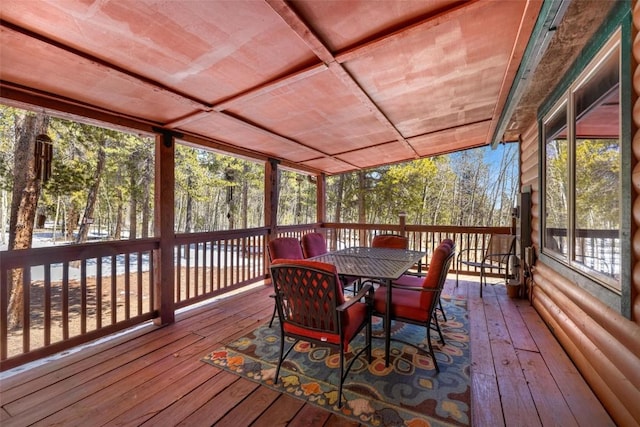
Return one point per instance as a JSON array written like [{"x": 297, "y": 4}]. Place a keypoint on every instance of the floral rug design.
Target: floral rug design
[{"x": 407, "y": 393}]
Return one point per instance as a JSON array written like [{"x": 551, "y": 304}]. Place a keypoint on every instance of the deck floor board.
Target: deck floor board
[{"x": 153, "y": 376}]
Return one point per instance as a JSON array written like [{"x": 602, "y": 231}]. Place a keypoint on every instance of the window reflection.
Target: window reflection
[
  {"x": 557, "y": 183},
  {"x": 597, "y": 171}
]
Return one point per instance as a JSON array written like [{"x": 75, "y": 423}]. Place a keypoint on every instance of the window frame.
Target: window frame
[{"x": 615, "y": 33}]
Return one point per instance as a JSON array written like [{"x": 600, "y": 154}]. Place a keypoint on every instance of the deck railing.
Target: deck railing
[
  {"x": 73, "y": 294},
  {"x": 77, "y": 293},
  {"x": 421, "y": 237},
  {"x": 211, "y": 264}
]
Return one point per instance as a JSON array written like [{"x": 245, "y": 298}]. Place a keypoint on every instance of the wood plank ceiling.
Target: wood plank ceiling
[{"x": 326, "y": 86}]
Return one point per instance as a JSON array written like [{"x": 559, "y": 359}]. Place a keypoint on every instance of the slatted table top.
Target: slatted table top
[{"x": 381, "y": 263}]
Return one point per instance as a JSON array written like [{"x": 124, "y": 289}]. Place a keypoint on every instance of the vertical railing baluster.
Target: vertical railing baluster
[
  {"x": 114, "y": 291},
  {"x": 127, "y": 286},
  {"x": 218, "y": 272},
  {"x": 196, "y": 266},
  {"x": 98, "y": 292},
  {"x": 187, "y": 255},
  {"x": 47, "y": 304},
  {"x": 65, "y": 300},
  {"x": 83, "y": 296},
  {"x": 139, "y": 281},
  {"x": 152, "y": 281},
  {"x": 226, "y": 254},
  {"x": 211, "y": 265},
  {"x": 4, "y": 313},
  {"x": 178, "y": 274},
  {"x": 26, "y": 314}
]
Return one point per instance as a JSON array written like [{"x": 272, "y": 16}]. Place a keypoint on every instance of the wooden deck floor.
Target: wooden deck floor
[{"x": 154, "y": 376}]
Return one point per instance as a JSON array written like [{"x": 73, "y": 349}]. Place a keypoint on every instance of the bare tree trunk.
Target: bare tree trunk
[
  {"x": 56, "y": 219},
  {"x": 71, "y": 222},
  {"x": 147, "y": 179},
  {"x": 92, "y": 197},
  {"x": 26, "y": 192},
  {"x": 3, "y": 218},
  {"x": 362, "y": 208},
  {"x": 188, "y": 223},
  {"x": 339, "y": 196},
  {"x": 117, "y": 232},
  {"x": 133, "y": 217},
  {"x": 245, "y": 197}
]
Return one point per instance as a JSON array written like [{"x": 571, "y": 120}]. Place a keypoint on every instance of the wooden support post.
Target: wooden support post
[
  {"x": 403, "y": 223},
  {"x": 164, "y": 274}
]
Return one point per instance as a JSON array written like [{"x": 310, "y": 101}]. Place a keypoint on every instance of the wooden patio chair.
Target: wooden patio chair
[
  {"x": 496, "y": 256},
  {"x": 417, "y": 304},
  {"x": 312, "y": 308},
  {"x": 283, "y": 248}
]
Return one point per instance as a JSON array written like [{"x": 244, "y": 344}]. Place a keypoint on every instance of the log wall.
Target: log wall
[{"x": 604, "y": 345}]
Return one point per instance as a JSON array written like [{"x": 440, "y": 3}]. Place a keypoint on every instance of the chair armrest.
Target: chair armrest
[
  {"x": 501, "y": 255},
  {"x": 373, "y": 282},
  {"x": 416, "y": 288},
  {"x": 415, "y": 273},
  {"x": 463, "y": 251},
  {"x": 364, "y": 290}
]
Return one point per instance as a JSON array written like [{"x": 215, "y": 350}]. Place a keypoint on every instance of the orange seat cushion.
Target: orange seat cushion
[
  {"x": 404, "y": 303},
  {"x": 351, "y": 322}
]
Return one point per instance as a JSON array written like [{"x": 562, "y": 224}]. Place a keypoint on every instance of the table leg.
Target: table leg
[{"x": 387, "y": 326}]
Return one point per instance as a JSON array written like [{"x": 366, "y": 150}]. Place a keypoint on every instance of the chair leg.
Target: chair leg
[
  {"x": 368, "y": 335},
  {"x": 444, "y": 316},
  {"x": 435, "y": 318},
  {"x": 281, "y": 357},
  {"x": 433, "y": 355},
  {"x": 273, "y": 316},
  {"x": 341, "y": 376}
]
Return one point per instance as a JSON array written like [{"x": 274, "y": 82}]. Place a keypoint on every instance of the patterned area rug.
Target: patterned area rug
[{"x": 409, "y": 392}]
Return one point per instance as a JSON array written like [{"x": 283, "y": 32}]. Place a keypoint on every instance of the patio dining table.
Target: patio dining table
[{"x": 383, "y": 264}]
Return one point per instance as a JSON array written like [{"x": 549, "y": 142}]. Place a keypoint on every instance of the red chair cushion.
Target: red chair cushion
[
  {"x": 404, "y": 303},
  {"x": 407, "y": 303},
  {"x": 351, "y": 322},
  {"x": 313, "y": 244},
  {"x": 393, "y": 242},
  {"x": 285, "y": 247}
]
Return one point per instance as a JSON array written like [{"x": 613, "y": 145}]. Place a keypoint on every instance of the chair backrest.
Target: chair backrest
[
  {"x": 307, "y": 295},
  {"x": 313, "y": 244},
  {"x": 438, "y": 270},
  {"x": 394, "y": 241},
  {"x": 286, "y": 248},
  {"x": 449, "y": 242},
  {"x": 500, "y": 247}
]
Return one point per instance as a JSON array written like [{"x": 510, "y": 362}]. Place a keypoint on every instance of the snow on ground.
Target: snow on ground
[{"x": 44, "y": 238}]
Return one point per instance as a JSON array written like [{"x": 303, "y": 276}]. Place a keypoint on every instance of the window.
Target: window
[{"x": 582, "y": 172}]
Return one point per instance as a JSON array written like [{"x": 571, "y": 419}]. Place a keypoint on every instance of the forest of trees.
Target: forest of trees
[{"x": 101, "y": 183}]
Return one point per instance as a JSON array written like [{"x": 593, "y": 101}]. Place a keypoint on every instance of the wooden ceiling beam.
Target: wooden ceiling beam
[
  {"x": 528, "y": 22},
  {"x": 318, "y": 47},
  {"x": 274, "y": 135},
  {"x": 269, "y": 87},
  {"x": 455, "y": 12},
  {"x": 202, "y": 109},
  {"x": 128, "y": 75}
]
